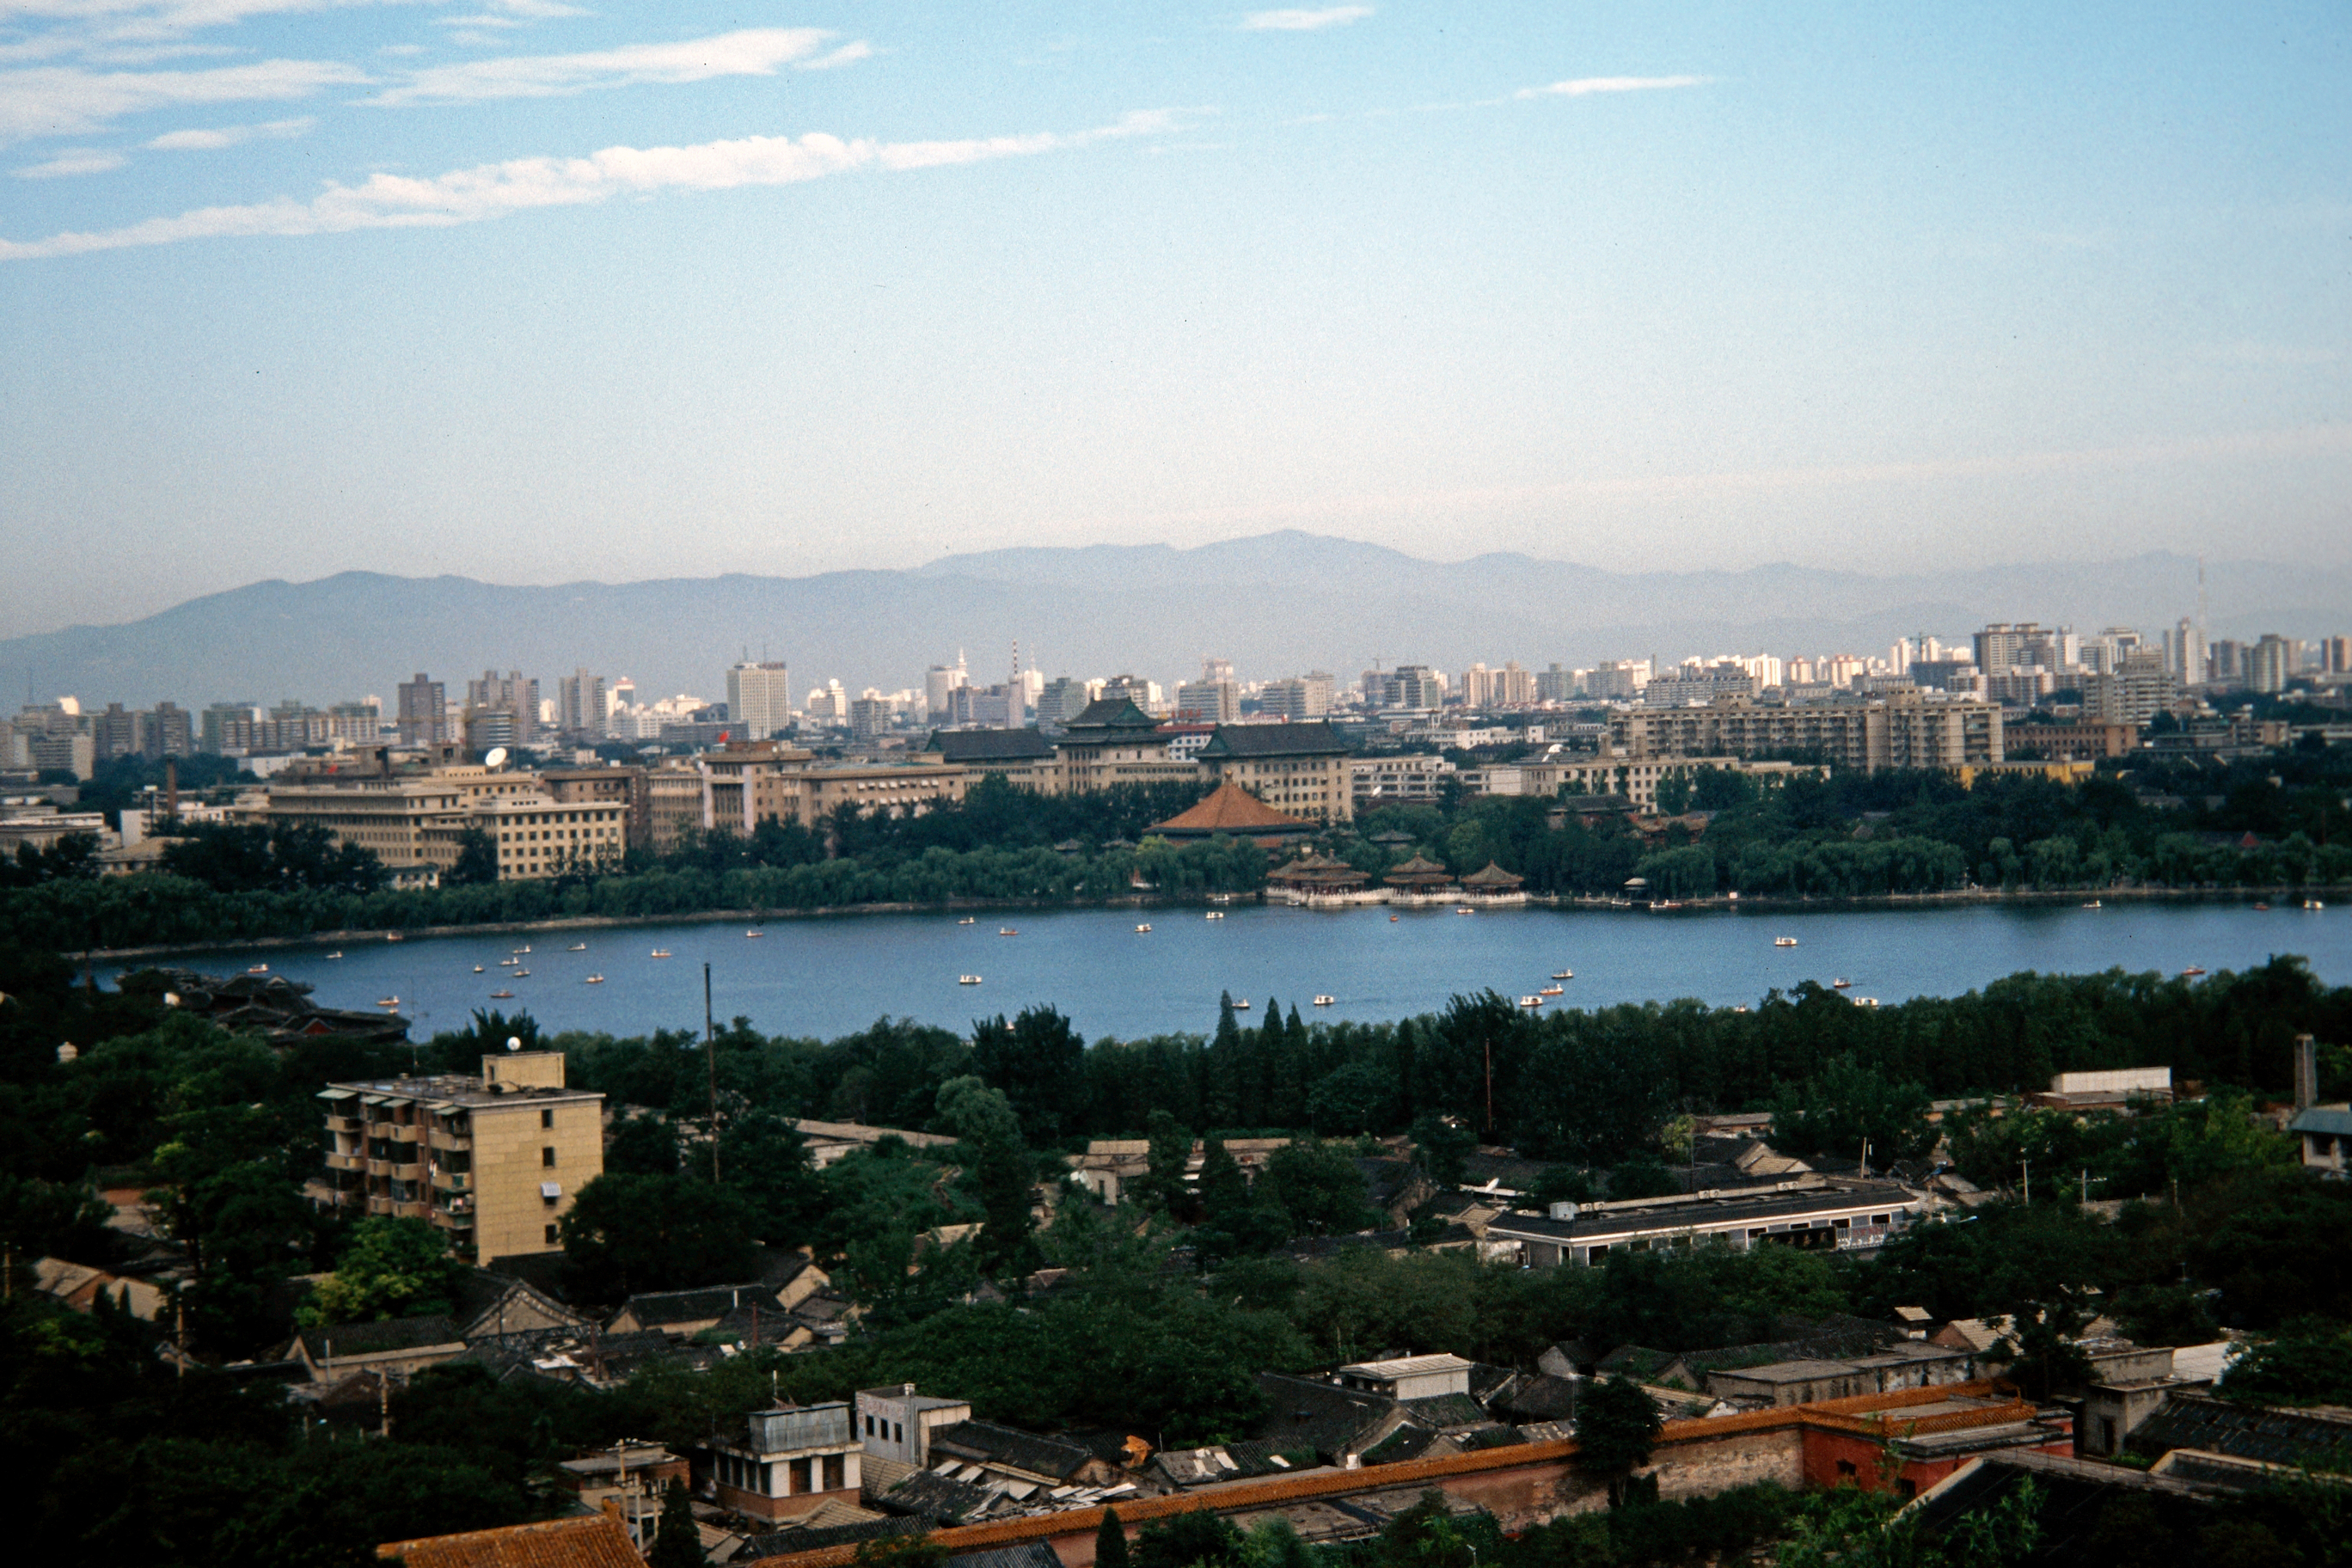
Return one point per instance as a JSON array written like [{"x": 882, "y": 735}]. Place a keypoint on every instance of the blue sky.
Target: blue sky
[{"x": 532, "y": 290}]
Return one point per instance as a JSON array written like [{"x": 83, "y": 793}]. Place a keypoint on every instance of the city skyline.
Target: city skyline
[{"x": 533, "y": 294}]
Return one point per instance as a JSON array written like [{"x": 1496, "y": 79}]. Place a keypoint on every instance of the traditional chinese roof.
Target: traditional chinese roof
[
  {"x": 1316, "y": 739},
  {"x": 591, "y": 1540},
  {"x": 1111, "y": 714},
  {"x": 1231, "y": 809},
  {"x": 991, "y": 746},
  {"x": 1318, "y": 869},
  {"x": 1492, "y": 876},
  {"x": 1417, "y": 871}
]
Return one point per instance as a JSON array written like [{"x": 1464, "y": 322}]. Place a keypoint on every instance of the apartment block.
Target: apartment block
[
  {"x": 1301, "y": 769},
  {"x": 1899, "y": 730},
  {"x": 493, "y": 1161}
]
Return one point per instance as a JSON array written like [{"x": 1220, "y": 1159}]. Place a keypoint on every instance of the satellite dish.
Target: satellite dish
[
  {"x": 497, "y": 759},
  {"x": 514, "y": 1042}
]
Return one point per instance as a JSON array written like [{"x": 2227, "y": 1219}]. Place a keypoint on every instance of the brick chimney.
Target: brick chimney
[{"x": 2306, "y": 1072}]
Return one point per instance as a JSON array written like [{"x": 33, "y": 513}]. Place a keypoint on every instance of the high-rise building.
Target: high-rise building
[
  {"x": 2335, "y": 655},
  {"x": 117, "y": 732},
  {"x": 170, "y": 732},
  {"x": 760, "y": 700},
  {"x": 1060, "y": 699},
  {"x": 2184, "y": 653},
  {"x": 870, "y": 715},
  {"x": 1554, "y": 684},
  {"x": 2269, "y": 663},
  {"x": 1417, "y": 686},
  {"x": 941, "y": 681},
  {"x": 1207, "y": 701},
  {"x": 2140, "y": 686},
  {"x": 1298, "y": 699},
  {"x": 580, "y": 705},
  {"x": 424, "y": 704},
  {"x": 512, "y": 693}
]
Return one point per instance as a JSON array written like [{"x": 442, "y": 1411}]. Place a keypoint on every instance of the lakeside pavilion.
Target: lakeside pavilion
[
  {"x": 1492, "y": 881},
  {"x": 1419, "y": 875},
  {"x": 1318, "y": 875}
]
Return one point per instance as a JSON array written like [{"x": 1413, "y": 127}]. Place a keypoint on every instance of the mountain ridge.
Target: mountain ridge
[{"x": 1277, "y": 603}]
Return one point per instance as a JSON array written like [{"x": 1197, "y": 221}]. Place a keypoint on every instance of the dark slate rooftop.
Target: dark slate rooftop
[
  {"x": 986, "y": 1442},
  {"x": 1407, "y": 1442},
  {"x": 991, "y": 746},
  {"x": 1031, "y": 1555},
  {"x": 1545, "y": 1398},
  {"x": 374, "y": 1338},
  {"x": 1750, "y": 1208},
  {"x": 1274, "y": 741},
  {"x": 2247, "y": 1431},
  {"x": 929, "y": 1495},
  {"x": 694, "y": 1306},
  {"x": 1444, "y": 1410},
  {"x": 1303, "y": 1413}
]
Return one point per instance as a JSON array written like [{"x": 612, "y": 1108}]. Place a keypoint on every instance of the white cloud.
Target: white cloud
[
  {"x": 119, "y": 20},
  {"x": 1585, "y": 85},
  {"x": 495, "y": 190},
  {"x": 213, "y": 139},
  {"x": 1303, "y": 21},
  {"x": 67, "y": 101},
  {"x": 72, "y": 160},
  {"x": 753, "y": 51},
  {"x": 858, "y": 50}
]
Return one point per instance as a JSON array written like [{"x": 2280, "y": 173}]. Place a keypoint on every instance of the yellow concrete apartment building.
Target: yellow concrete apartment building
[{"x": 495, "y": 1161}]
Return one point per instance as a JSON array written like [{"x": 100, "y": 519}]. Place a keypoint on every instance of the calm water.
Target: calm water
[{"x": 828, "y": 976}]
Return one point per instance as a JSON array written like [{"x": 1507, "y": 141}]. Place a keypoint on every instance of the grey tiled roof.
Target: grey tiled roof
[
  {"x": 929, "y": 1495},
  {"x": 1274, "y": 741},
  {"x": 991, "y": 746},
  {"x": 2246, "y": 1431},
  {"x": 988, "y": 1442}
]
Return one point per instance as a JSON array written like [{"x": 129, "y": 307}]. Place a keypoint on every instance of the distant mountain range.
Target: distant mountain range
[{"x": 1279, "y": 604}]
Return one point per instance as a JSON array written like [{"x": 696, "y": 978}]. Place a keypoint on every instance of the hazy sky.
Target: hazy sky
[{"x": 533, "y": 291}]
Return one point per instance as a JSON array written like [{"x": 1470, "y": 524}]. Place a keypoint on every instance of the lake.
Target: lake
[{"x": 826, "y": 976}]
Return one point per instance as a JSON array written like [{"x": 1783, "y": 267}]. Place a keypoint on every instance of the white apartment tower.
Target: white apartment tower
[{"x": 759, "y": 699}]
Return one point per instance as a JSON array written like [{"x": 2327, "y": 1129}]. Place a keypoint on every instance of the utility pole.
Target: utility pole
[
  {"x": 710, "y": 1059},
  {"x": 2027, "y": 1167}
]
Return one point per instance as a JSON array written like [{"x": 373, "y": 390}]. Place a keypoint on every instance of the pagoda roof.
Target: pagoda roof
[
  {"x": 1306, "y": 740},
  {"x": 1111, "y": 714},
  {"x": 1420, "y": 868},
  {"x": 1392, "y": 836},
  {"x": 1491, "y": 876},
  {"x": 1232, "y": 809}
]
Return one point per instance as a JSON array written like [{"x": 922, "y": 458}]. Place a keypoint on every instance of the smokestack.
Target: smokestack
[
  {"x": 171, "y": 787},
  {"x": 2306, "y": 1072}
]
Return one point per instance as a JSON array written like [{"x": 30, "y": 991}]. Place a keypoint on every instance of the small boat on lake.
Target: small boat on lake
[
  {"x": 1141, "y": 929},
  {"x": 1214, "y": 915},
  {"x": 1466, "y": 909},
  {"x": 1531, "y": 1001},
  {"x": 2263, "y": 907},
  {"x": 392, "y": 936},
  {"x": 1554, "y": 990},
  {"x": 501, "y": 995},
  {"x": 387, "y": 1001},
  {"x": 965, "y": 921},
  {"x": 334, "y": 955},
  {"x": 1863, "y": 1001},
  {"x": 524, "y": 948},
  {"x": 503, "y": 964},
  {"x": 593, "y": 980},
  {"x": 1840, "y": 984},
  {"x": 577, "y": 947},
  {"x": 967, "y": 979},
  {"x": 753, "y": 935},
  {"x": 1325, "y": 1001},
  {"x": 2191, "y": 972},
  {"x": 258, "y": 969},
  {"x": 1784, "y": 942},
  {"x": 478, "y": 968},
  {"x": 2095, "y": 904},
  {"x": 661, "y": 953},
  {"x": 522, "y": 974},
  {"x": 1563, "y": 975},
  {"x": 1241, "y": 1005},
  {"x": 1008, "y": 930},
  {"x": 2313, "y": 904}
]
